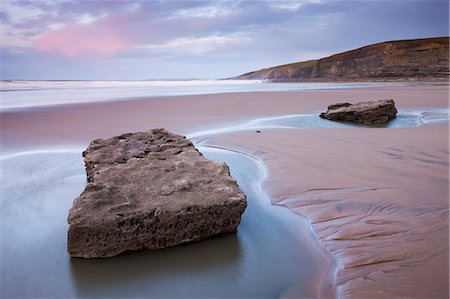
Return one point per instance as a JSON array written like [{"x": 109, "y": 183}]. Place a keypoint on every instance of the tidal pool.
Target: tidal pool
[{"x": 273, "y": 253}]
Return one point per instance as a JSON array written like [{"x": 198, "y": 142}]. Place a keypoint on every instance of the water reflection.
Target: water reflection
[{"x": 190, "y": 270}]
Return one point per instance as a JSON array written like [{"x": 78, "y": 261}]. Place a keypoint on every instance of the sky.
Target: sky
[{"x": 135, "y": 40}]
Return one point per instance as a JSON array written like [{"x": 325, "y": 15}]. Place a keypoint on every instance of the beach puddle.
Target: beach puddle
[
  {"x": 273, "y": 254},
  {"x": 404, "y": 119}
]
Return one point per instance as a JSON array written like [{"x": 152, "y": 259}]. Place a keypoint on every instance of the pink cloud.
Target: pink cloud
[{"x": 103, "y": 37}]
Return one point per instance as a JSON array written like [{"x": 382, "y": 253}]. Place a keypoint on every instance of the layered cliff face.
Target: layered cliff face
[{"x": 405, "y": 60}]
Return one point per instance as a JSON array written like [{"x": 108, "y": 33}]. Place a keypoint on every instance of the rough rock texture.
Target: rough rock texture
[
  {"x": 405, "y": 60},
  {"x": 371, "y": 112},
  {"x": 150, "y": 190}
]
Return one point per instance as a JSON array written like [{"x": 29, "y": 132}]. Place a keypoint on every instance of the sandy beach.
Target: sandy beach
[{"x": 377, "y": 198}]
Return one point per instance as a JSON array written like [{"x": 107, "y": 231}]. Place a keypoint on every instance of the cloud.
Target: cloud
[
  {"x": 218, "y": 10},
  {"x": 148, "y": 39},
  {"x": 26, "y": 23},
  {"x": 86, "y": 18},
  {"x": 18, "y": 13},
  {"x": 199, "y": 45},
  {"x": 90, "y": 36},
  {"x": 285, "y": 5}
]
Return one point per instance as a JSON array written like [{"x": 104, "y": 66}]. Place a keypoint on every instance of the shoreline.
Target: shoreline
[
  {"x": 97, "y": 95},
  {"x": 270, "y": 147},
  {"x": 326, "y": 283}
]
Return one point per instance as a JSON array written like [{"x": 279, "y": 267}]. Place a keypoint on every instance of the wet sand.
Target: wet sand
[
  {"x": 377, "y": 198},
  {"x": 64, "y": 125}
]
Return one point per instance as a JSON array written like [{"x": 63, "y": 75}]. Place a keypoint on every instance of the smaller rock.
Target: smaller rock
[{"x": 371, "y": 112}]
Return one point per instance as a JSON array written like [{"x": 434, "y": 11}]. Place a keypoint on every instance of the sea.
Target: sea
[{"x": 17, "y": 94}]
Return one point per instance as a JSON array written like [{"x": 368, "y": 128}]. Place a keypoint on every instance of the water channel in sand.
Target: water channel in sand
[
  {"x": 273, "y": 253},
  {"x": 404, "y": 119}
]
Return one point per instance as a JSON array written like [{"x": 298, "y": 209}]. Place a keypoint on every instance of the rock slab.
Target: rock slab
[
  {"x": 371, "y": 112},
  {"x": 150, "y": 190}
]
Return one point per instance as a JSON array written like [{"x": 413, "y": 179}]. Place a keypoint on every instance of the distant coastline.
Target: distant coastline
[{"x": 416, "y": 60}]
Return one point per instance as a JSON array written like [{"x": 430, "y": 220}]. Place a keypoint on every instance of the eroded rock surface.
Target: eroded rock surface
[
  {"x": 371, "y": 112},
  {"x": 150, "y": 190}
]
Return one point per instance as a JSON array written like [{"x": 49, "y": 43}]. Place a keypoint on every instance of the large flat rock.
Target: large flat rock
[
  {"x": 371, "y": 112},
  {"x": 150, "y": 190}
]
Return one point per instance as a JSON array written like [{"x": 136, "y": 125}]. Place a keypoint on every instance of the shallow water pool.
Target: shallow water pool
[{"x": 274, "y": 251}]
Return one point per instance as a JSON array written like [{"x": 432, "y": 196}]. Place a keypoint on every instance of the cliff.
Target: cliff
[{"x": 403, "y": 60}]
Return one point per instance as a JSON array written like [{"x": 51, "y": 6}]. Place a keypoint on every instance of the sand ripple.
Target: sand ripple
[{"x": 376, "y": 198}]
